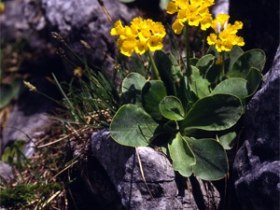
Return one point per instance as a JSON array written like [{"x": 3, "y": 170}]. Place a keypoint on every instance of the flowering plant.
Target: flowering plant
[{"x": 187, "y": 106}]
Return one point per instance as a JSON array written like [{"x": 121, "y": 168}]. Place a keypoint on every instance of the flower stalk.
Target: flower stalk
[{"x": 154, "y": 66}]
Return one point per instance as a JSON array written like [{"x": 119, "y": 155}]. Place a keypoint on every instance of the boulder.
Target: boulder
[
  {"x": 140, "y": 178},
  {"x": 33, "y": 22},
  {"x": 257, "y": 165}
]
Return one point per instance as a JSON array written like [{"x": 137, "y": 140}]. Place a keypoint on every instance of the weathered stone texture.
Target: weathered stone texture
[{"x": 257, "y": 164}]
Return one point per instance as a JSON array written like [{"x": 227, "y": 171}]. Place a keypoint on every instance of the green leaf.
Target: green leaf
[
  {"x": 131, "y": 88},
  {"x": 211, "y": 159},
  {"x": 166, "y": 68},
  {"x": 199, "y": 85},
  {"x": 133, "y": 81},
  {"x": 132, "y": 126},
  {"x": 213, "y": 113},
  {"x": 181, "y": 155},
  {"x": 14, "y": 155},
  {"x": 193, "y": 61},
  {"x": 226, "y": 140},
  {"x": 232, "y": 86},
  {"x": 152, "y": 93},
  {"x": 175, "y": 69},
  {"x": 233, "y": 55},
  {"x": 254, "y": 79},
  {"x": 171, "y": 108},
  {"x": 205, "y": 63},
  {"x": 253, "y": 58},
  {"x": 8, "y": 92}
]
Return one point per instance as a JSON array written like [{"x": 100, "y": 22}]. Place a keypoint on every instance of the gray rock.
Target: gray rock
[
  {"x": 144, "y": 178},
  {"x": 23, "y": 19},
  {"x": 6, "y": 172},
  {"x": 25, "y": 127},
  {"x": 257, "y": 165},
  {"x": 33, "y": 21},
  {"x": 149, "y": 186},
  {"x": 221, "y": 6}
]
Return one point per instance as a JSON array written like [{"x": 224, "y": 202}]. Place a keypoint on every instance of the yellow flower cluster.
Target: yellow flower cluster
[
  {"x": 139, "y": 37},
  {"x": 225, "y": 36},
  {"x": 192, "y": 12}
]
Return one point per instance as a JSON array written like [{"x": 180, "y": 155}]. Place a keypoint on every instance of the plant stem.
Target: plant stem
[
  {"x": 223, "y": 64},
  {"x": 50, "y": 98},
  {"x": 154, "y": 67},
  {"x": 187, "y": 43}
]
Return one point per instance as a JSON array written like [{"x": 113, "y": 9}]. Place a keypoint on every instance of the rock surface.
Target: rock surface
[
  {"x": 144, "y": 178},
  {"x": 6, "y": 172},
  {"x": 257, "y": 164},
  {"x": 33, "y": 22}
]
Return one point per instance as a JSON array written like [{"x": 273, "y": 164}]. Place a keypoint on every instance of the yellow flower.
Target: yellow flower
[
  {"x": 220, "y": 22},
  {"x": 155, "y": 43},
  {"x": 2, "y": 7},
  {"x": 139, "y": 37},
  {"x": 118, "y": 29},
  {"x": 141, "y": 47},
  {"x": 206, "y": 21},
  {"x": 225, "y": 36},
  {"x": 128, "y": 46},
  {"x": 212, "y": 39},
  {"x": 78, "y": 72},
  {"x": 193, "y": 12},
  {"x": 177, "y": 26},
  {"x": 172, "y": 7}
]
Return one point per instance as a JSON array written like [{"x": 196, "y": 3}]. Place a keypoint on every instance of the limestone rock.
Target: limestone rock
[
  {"x": 144, "y": 178},
  {"x": 257, "y": 164},
  {"x": 6, "y": 172},
  {"x": 33, "y": 22}
]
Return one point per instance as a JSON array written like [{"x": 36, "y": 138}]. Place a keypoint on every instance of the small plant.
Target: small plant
[{"x": 186, "y": 105}]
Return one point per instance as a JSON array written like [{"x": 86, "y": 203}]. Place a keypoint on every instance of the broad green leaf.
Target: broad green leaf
[
  {"x": 193, "y": 61},
  {"x": 205, "y": 63},
  {"x": 132, "y": 126},
  {"x": 171, "y": 108},
  {"x": 233, "y": 55},
  {"x": 8, "y": 92},
  {"x": 213, "y": 113},
  {"x": 199, "y": 85},
  {"x": 211, "y": 158},
  {"x": 131, "y": 88},
  {"x": 253, "y": 58},
  {"x": 175, "y": 68},
  {"x": 152, "y": 94},
  {"x": 133, "y": 81},
  {"x": 254, "y": 79},
  {"x": 165, "y": 67},
  {"x": 181, "y": 155},
  {"x": 226, "y": 140},
  {"x": 232, "y": 86}
]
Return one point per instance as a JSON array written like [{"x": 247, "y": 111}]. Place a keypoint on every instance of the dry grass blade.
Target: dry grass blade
[
  {"x": 101, "y": 3},
  {"x": 51, "y": 198},
  {"x": 142, "y": 173},
  {"x": 66, "y": 168}
]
